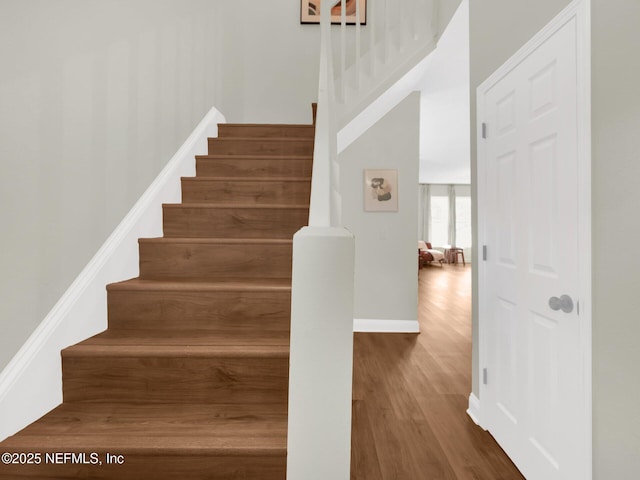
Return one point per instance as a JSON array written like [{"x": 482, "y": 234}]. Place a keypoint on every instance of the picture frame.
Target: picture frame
[
  {"x": 310, "y": 12},
  {"x": 380, "y": 190}
]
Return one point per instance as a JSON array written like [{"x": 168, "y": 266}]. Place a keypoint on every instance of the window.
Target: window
[
  {"x": 439, "y": 232},
  {"x": 463, "y": 221},
  {"x": 440, "y": 223}
]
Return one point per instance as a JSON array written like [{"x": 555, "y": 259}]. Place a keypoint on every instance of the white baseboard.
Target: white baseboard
[
  {"x": 474, "y": 410},
  {"x": 376, "y": 325},
  {"x": 31, "y": 384}
]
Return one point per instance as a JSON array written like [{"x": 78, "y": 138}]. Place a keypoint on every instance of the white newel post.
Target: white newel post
[{"x": 321, "y": 362}]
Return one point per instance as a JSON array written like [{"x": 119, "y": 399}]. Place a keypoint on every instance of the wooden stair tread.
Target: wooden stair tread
[
  {"x": 231, "y": 206},
  {"x": 196, "y": 338},
  {"x": 265, "y": 157},
  {"x": 165, "y": 423},
  {"x": 246, "y": 179},
  {"x": 168, "y": 429},
  {"x": 117, "y": 349},
  {"x": 261, "y": 139},
  {"x": 287, "y": 125},
  {"x": 249, "y": 284},
  {"x": 217, "y": 241},
  {"x": 184, "y": 445}
]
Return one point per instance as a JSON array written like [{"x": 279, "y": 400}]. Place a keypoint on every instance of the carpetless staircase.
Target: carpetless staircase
[{"x": 190, "y": 379}]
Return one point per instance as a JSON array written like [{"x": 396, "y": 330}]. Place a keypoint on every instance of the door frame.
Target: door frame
[{"x": 580, "y": 10}]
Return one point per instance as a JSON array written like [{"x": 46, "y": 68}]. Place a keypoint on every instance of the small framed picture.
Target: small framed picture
[
  {"x": 310, "y": 12},
  {"x": 381, "y": 190}
]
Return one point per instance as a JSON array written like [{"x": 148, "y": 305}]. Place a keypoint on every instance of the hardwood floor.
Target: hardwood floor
[{"x": 411, "y": 392}]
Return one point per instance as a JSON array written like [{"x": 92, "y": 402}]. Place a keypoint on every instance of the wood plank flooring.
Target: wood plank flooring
[{"x": 410, "y": 394}]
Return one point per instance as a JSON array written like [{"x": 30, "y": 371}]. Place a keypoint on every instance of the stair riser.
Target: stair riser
[
  {"x": 175, "y": 379},
  {"x": 138, "y": 466},
  {"x": 202, "y": 262},
  {"x": 185, "y": 221},
  {"x": 281, "y": 131},
  {"x": 253, "y": 167},
  {"x": 246, "y": 192},
  {"x": 242, "y": 146},
  {"x": 237, "y": 312}
]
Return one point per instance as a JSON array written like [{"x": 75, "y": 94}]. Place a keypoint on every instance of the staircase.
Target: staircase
[{"x": 190, "y": 379}]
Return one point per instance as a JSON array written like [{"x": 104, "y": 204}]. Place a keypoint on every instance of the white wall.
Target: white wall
[
  {"x": 616, "y": 197},
  {"x": 444, "y": 106},
  {"x": 270, "y": 62},
  {"x": 386, "y": 285},
  {"x": 95, "y": 98}
]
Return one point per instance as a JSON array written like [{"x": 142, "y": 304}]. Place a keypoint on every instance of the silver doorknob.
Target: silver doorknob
[{"x": 563, "y": 303}]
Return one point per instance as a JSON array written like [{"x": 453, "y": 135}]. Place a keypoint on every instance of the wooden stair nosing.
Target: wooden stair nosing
[
  {"x": 186, "y": 445},
  {"x": 257, "y": 285},
  {"x": 165, "y": 464},
  {"x": 266, "y": 158},
  {"x": 160, "y": 465},
  {"x": 249, "y": 336},
  {"x": 261, "y": 139},
  {"x": 233, "y": 206},
  {"x": 217, "y": 241},
  {"x": 283, "y": 125},
  {"x": 89, "y": 349},
  {"x": 245, "y": 179}
]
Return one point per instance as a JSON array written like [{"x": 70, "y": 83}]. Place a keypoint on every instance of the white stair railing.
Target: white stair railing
[
  {"x": 364, "y": 62},
  {"x": 400, "y": 34}
]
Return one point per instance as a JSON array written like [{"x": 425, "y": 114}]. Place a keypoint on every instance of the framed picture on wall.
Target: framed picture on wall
[
  {"x": 380, "y": 190},
  {"x": 310, "y": 12}
]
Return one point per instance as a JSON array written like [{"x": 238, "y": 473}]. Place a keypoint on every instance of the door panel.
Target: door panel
[
  {"x": 506, "y": 171},
  {"x": 507, "y": 361},
  {"x": 530, "y": 221},
  {"x": 544, "y": 427},
  {"x": 541, "y": 224}
]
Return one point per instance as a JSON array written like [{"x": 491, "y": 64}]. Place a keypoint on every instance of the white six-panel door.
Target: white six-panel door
[{"x": 533, "y": 393}]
